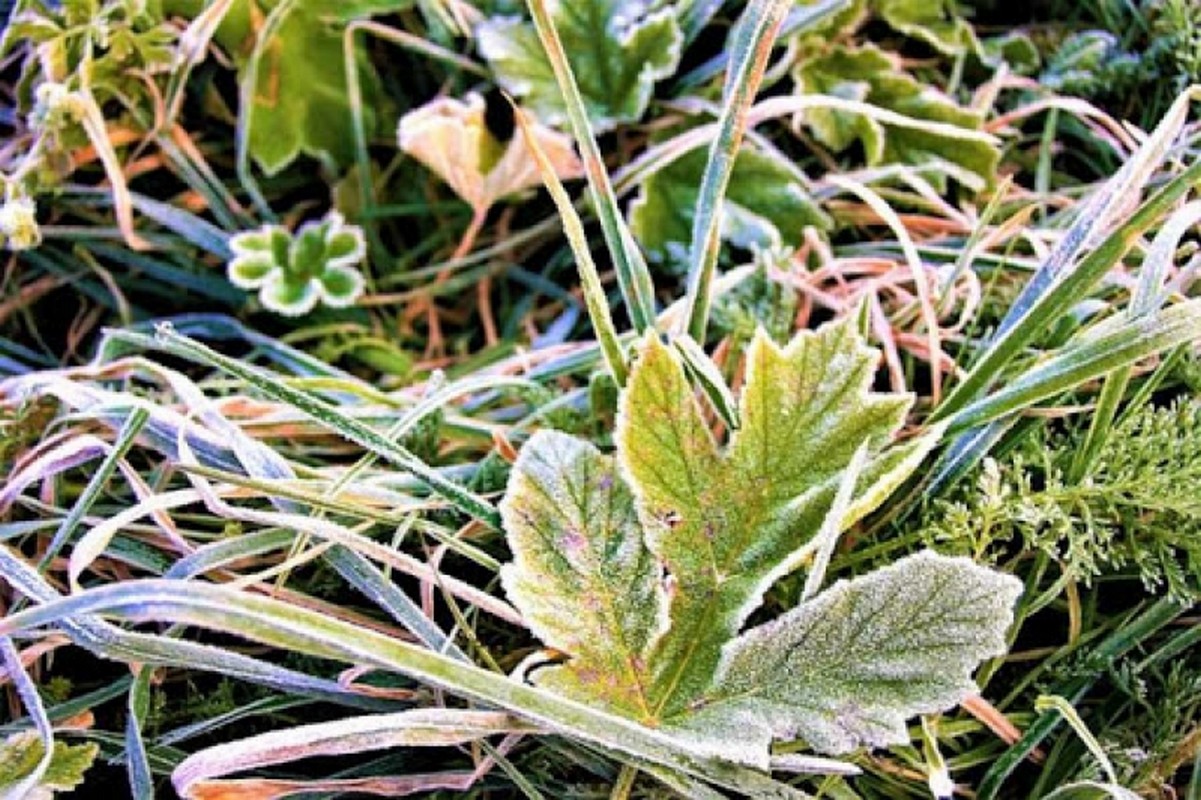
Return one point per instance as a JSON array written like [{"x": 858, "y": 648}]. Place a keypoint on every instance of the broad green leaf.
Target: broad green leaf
[
  {"x": 728, "y": 524},
  {"x": 301, "y": 103},
  {"x": 932, "y": 21},
  {"x": 21, "y": 752},
  {"x": 582, "y": 575},
  {"x": 1015, "y": 49},
  {"x": 838, "y": 25},
  {"x": 617, "y": 49},
  {"x": 765, "y": 205},
  {"x": 870, "y": 75},
  {"x": 847, "y": 668},
  {"x": 690, "y": 534}
]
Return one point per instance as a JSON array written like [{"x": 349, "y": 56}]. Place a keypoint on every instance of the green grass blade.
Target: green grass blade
[
  {"x": 633, "y": 275},
  {"x": 749, "y": 45},
  {"x": 1072, "y": 716},
  {"x": 324, "y": 414},
  {"x": 594, "y": 293},
  {"x": 269, "y": 621},
  {"x": 1147, "y": 296},
  {"x": 1088, "y": 359},
  {"x": 694, "y": 15},
  {"x": 1126, "y": 637},
  {"x": 1051, "y": 292},
  {"x": 137, "y": 763},
  {"x": 702, "y": 370},
  {"x": 363, "y": 575},
  {"x": 129, "y": 431}
]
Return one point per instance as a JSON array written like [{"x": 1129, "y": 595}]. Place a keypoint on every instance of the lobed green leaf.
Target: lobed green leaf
[{"x": 616, "y": 49}]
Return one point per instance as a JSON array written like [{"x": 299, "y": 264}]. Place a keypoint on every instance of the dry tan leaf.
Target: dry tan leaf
[{"x": 450, "y": 137}]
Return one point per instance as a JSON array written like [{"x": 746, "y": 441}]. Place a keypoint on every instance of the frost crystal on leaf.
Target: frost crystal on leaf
[
  {"x": 581, "y": 574},
  {"x": 848, "y": 667}
]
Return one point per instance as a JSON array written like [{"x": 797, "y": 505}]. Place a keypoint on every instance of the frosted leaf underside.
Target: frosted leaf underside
[
  {"x": 850, "y": 666},
  {"x": 581, "y": 574}
]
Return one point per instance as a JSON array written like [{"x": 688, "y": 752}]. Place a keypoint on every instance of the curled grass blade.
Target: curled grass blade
[
  {"x": 435, "y": 727},
  {"x": 914, "y": 261},
  {"x": 94, "y": 125}
]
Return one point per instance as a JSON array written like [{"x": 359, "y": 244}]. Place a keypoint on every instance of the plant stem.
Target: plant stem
[{"x": 625, "y": 783}]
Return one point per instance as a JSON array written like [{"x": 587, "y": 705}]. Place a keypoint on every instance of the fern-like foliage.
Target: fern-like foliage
[
  {"x": 1137, "y": 510},
  {"x": 1138, "y": 55}
]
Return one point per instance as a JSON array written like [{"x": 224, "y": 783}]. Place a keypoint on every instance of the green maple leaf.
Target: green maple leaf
[
  {"x": 616, "y": 48},
  {"x": 301, "y": 100},
  {"x": 644, "y": 568},
  {"x": 870, "y": 75},
  {"x": 765, "y": 205},
  {"x": 728, "y": 524}
]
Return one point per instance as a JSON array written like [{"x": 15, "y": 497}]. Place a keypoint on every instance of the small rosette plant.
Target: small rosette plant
[{"x": 294, "y": 271}]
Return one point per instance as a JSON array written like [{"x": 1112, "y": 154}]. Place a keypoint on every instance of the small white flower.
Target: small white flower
[
  {"x": 18, "y": 224},
  {"x": 55, "y": 107}
]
